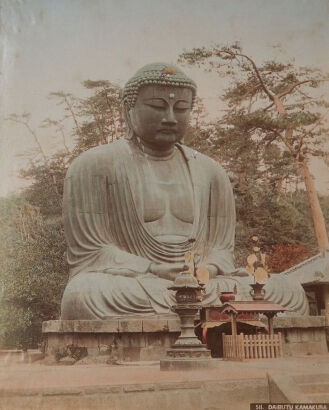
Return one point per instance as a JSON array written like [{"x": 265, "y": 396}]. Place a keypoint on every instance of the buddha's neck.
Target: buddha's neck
[{"x": 158, "y": 152}]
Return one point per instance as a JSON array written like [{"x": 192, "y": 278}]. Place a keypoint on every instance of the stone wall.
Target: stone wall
[
  {"x": 302, "y": 335},
  {"x": 121, "y": 339},
  {"x": 148, "y": 338}
]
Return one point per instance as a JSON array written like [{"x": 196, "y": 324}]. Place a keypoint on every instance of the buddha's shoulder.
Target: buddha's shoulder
[
  {"x": 100, "y": 155},
  {"x": 207, "y": 163}
]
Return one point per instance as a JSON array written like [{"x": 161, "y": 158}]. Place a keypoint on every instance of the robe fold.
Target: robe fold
[{"x": 110, "y": 249}]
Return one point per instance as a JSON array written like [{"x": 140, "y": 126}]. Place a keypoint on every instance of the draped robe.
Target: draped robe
[{"x": 110, "y": 249}]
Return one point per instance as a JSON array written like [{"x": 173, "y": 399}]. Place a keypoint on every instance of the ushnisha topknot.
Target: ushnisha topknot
[{"x": 157, "y": 74}]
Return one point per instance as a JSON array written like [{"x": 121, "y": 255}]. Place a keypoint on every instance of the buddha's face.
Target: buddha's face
[{"x": 161, "y": 114}]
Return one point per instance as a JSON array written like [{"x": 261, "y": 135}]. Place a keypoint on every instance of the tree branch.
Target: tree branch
[
  {"x": 44, "y": 156},
  {"x": 251, "y": 61},
  {"x": 70, "y": 107},
  {"x": 293, "y": 87}
]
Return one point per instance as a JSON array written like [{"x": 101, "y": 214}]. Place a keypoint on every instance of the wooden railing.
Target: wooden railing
[{"x": 260, "y": 346}]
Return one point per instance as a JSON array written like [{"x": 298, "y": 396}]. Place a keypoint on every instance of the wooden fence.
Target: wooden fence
[{"x": 260, "y": 346}]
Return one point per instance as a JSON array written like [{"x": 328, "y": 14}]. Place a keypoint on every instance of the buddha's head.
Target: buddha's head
[{"x": 157, "y": 104}]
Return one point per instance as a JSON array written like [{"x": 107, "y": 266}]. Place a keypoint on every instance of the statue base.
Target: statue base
[
  {"x": 129, "y": 339},
  {"x": 303, "y": 334},
  {"x": 199, "y": 351},
  {"x": 189, "y": 364},
  {"x": 180, "y": 357}
]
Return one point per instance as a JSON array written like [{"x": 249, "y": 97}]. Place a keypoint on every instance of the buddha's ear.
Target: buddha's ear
[{"x": 128, "y": 117}]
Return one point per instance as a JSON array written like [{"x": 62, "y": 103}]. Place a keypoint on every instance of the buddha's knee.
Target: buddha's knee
[{"x": 77, "y": 296}]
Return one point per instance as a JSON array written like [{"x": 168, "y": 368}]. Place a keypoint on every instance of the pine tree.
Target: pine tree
[{"x": 275, "y": 108}]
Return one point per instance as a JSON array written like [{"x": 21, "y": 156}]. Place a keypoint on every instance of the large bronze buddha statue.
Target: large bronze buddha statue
[{"x": 133, "y": 208}]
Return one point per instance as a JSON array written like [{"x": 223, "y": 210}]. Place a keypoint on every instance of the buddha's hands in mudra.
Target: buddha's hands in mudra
[{"x": 169, "y": 271}]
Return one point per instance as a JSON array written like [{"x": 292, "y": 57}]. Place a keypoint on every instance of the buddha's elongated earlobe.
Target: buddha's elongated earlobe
[{"x": 127, "y": 118}]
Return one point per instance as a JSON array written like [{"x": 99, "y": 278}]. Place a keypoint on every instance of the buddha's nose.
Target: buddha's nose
[{"x": 169, "y": 118}]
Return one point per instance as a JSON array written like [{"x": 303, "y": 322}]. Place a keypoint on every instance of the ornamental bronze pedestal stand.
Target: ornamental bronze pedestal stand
[{"x": 188, "y": 352}]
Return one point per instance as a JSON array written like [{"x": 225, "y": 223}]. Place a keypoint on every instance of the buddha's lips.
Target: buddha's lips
[{"x": 168, "y": 130}]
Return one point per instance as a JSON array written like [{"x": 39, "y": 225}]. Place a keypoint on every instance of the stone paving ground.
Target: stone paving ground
[
  {"x": 38, "y": 376},
  {"x": 52, "y": 386}
]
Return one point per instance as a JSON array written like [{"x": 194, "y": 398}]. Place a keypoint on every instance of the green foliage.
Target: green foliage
[
  {"x": 101, "y": 115},
  {"x": 276, "y": 219},
  {"x": 41, "y": 192},
  {"x": 33, "y": 277}
]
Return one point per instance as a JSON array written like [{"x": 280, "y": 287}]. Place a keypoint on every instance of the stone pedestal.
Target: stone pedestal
[
  {"x": 185, "y": 357},
  {"x": 325, "y": 293},
  {"x": 189, "y": 364},
  {"x": 137, "y": 338},
  {"x": 188, "y": 352},
  {"x": 302, "y": 334}
]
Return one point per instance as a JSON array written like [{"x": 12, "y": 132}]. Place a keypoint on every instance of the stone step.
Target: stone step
[
  {"x": 8, "y": 357},
  {"x": 314, "y": 388},
  {"x": 11, "y": 356},
  {"x": 165, "y": 395},
  {"x": 311, "y": 378},
  {"x": 318, "y": 398}
]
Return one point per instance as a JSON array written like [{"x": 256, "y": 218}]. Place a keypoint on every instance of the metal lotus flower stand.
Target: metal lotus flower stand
[
  {"x": 257, "y": 292},
  {"x": 188, "y": 351}
]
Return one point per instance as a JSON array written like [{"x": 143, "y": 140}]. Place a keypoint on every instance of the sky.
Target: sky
[{"x": 54, "y": 45}]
